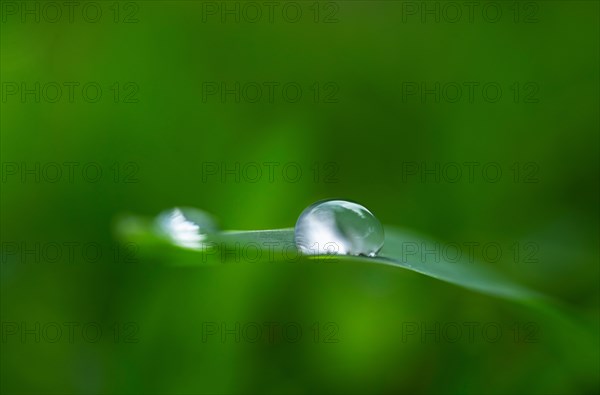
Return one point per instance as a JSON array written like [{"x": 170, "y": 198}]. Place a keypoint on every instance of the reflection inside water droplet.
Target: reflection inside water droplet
[
  {"x": 338, "y": 227},
  {"x": 186, "y": 227}
]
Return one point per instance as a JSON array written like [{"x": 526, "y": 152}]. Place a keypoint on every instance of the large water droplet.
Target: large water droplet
[
  {"x": 186, "y": 227},
  {"x": 338, "y": 227}
]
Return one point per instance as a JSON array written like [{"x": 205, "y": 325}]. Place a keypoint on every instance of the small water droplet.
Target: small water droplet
[
  {"x": 186, "y": 227},
  {"x": 338, "y": 227}
]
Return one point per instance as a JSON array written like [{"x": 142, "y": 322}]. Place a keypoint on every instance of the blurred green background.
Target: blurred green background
[{"x": 162, "y": 123}]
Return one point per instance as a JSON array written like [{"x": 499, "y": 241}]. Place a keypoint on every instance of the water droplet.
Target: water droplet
[
  {"x": 338, "y": 227},
  {"x": 186, "y": 227}
]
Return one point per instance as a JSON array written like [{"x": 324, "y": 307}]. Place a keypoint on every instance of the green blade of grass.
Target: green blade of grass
[{"x": 278, "y": 245}]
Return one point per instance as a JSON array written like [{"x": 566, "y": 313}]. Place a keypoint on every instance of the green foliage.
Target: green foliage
[{"x": 153, "y": 132}]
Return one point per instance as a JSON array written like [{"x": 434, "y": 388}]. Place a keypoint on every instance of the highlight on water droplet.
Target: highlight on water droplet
[
  {"x": 186, "y": 227},
  {"x": 338, "y": 227}
]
